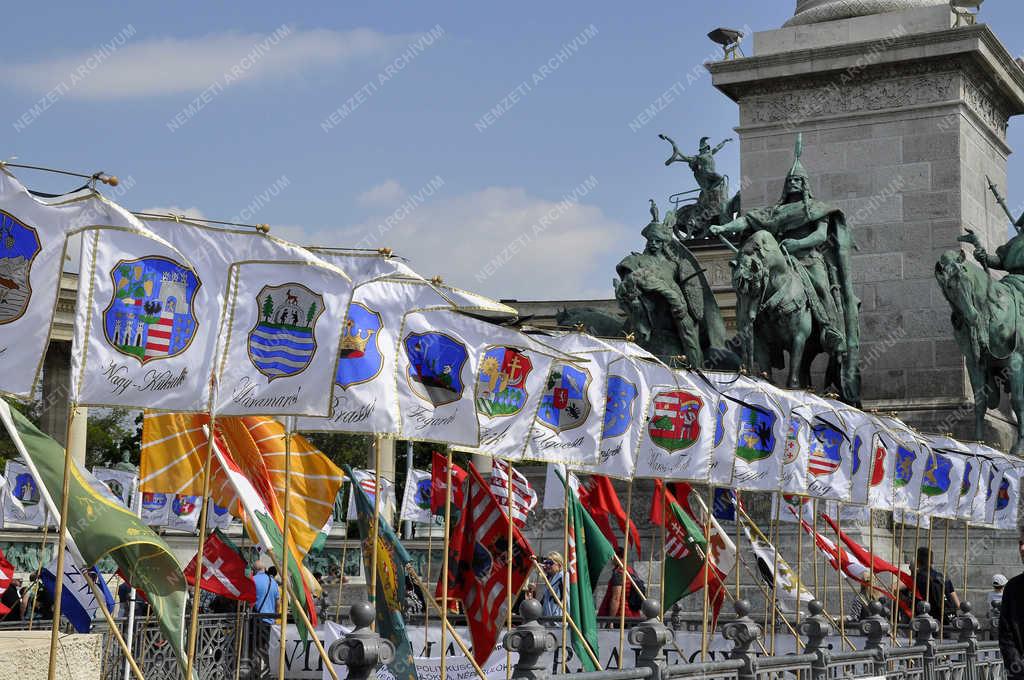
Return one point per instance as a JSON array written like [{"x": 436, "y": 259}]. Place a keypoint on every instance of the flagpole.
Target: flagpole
[
  {"x": 58, "y": 586},
  {"x": 967, "y": 534},
  {"x": 284, "y": 562},
  {"x": 913, "y": 570},
  {"x": 130, "y": 623},
  {"x": 344, "y": 548},
  {"x": 897, "y": 560},
  {"x": 102, "y": 602},
  {"x": 625, "y": 573},
  {"x": 430, "y": 559},
  {"x": 375, "y": 527},
  {"x": 39, "y": 569},
  {"x": 814, "y": 553},
  {"x": 565, "y": 575},
  {"x": 736, "y": 502},
  {"x": 799, "y": 569},
  {"x": 705, "y": 636},
  {"x": 775, "y": 572},
  {"x": 839, "y": 571},
  {"x": 508, "y": 571},
  {"x": 444, "y": 564},
  {"x": 945, "y": 566},
  {"x": 561, "y": 603},
  {"x": 203, "y": 510},
  {"x": 411, "y": 573}
]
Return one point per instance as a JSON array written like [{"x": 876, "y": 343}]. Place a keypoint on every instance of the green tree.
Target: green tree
[
  {"x": 268, "y": 307},
  {"x": 310, "y": 314}
]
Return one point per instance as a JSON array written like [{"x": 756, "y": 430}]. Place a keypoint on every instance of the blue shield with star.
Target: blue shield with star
[
  {"x": 936, "y": 480},
  {"x": 904, "y": 466},
  {"x": 618, "y": 413}
]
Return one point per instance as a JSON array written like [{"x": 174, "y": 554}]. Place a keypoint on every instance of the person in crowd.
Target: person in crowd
[
  {"x": 11, "y": 599},
  {"x": 267, "y": 593},
  {"x": 553, "y": 567},
  {"x": 414, "y": 602},
  {"x": 858, "y": 610},
  {"x": 1011, "y": 624},
  {"x": 36, "y": 602},
  {"x": 612, "y": 603},
  {"x": 932, "y": 586},
  {"x": 995, "y": 597}
]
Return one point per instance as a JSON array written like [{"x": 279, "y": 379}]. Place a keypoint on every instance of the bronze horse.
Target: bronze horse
[
  {"x": 986, "y": 323},
  {"x": 773, "y": 313}
]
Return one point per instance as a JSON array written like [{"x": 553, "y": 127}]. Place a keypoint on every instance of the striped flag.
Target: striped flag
[
  {"x": 479, "y": 558},
  {"x": 6, "y": 575},
  {"x": 524, "y": 498}
]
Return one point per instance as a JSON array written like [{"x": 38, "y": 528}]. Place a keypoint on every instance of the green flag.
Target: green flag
[
  {"x": 392, "y": 559},
  {"x": 685, "y": 547},
  {"x": 589, "y": 553},
  {"x": 99, "y": 527}
]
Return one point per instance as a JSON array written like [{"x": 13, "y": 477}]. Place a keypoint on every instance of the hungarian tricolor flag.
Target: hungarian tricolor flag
[
  {"x": 686, "y": 553},
  {"x": 224, "y": 570},
  {"x": 392, "y": 560},
  {"x": 479, "y": 560},
  {"x": 6, "y": 576},
  {"x": 439, "y": 481},
  {"x": 589, "y": 552},
  {"x": 599, "y": 498}
]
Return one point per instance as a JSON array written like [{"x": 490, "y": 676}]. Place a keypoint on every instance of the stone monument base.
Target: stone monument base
[{"x": 26, "y": 656}]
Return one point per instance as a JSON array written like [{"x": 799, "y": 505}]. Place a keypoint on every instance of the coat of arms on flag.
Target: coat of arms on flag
[
  {"x": 25, "y": 489},
  {"x": 791, "y": 451},
  {"x": 618, "y": 412},
  {"x": 501, "y": 384},
  {"x": 150, "y": 315},
  {"x": 282, "y": 343},
  {"x": 756, "y": 439},
  {"x": 878, "y": 454},
  {"x": 436, "y": 361},
  {"x": 564, "y": 404},
  {"x": 674, "y": 423},
  {"x": 825, "y": 457},
  {"x": 936, "y": 480},
  {"x": 19, "y": 245},
  {"x": 904, "y": 466},
  {"x": 359, "y": 359},
  {"x": 720, "y": 412},
  {"x": 1003, "y": 495}
]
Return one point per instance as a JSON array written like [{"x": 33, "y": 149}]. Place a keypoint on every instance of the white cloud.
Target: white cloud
[
  {"x": 458, "y": 237},
  {"x": 131, "y": 67},
  {"x": 384, "y": 195}
]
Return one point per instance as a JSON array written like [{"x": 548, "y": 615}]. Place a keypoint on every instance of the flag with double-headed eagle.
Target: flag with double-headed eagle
[
  {"x": 480, "y": 558},
  {"x": 33, "y": 238},
  {"x": 364, "y": 397},
  {"x": 392, "y": 560},
  {"x": 678, "y": 426},
  {"x": 281, "y": 337}
]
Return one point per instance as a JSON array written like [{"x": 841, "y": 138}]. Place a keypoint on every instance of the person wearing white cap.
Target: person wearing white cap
[{"x": 995, "y": 598}]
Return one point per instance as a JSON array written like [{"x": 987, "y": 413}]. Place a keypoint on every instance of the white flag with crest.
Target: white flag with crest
[
  {"x": 760, "y": 437},
  {"x": 677, "y": 436},
  {"x": 727, "y": 415},
  {"x": 416, "y": 498},
  {"x": 33, "y": 237},
  {"x": 1007, "y": 499},
  {"x": 280, "y": 342},
  {"x": 909, "y": 460},
  {"x": 830, "y": 459}
]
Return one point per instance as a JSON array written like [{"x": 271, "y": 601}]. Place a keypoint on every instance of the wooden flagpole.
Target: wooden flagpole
[
  {"x": 508, "y": 571},
  {"x": 444, "y": 564},
  {"x": 565, "y": 575},
  {"x": 431, "y": 602},
  {"x": 426, "y": 610},
  {"x": 285, "y": 543},
  {"x": 39, "y": 569},
  {"x": 967, "y": 535},
  {"x": 897, "y": 560},
  {"x": 736, "y": 503},
  {"x": 572, "y": 624},
  {"x": 913, "y": 570},
  {"x": 58, "y": 588},
  {"x": 839, "y": 572},
  {"x": 627, "y": 580},
  {"x": 945, "y": 566},
  {"x": 193, "y": 631},
  {"x": 799, "y": 568},
  {"x": 705, "y": 618},
  {"x": 375, "y": 526},
  {"x": 775, "y": 572},
  {"x": 815, "y": 551},
  {"x": 344, "y": 550}
]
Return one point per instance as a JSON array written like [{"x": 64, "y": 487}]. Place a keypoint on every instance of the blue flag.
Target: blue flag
[
  {"x": 392, "y": 559},
  {"x": 77, "y": 604}
]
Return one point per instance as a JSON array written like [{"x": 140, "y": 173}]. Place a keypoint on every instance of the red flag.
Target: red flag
[
  {"x": 599, "y": 498},
  {"x": 479, "y": 564},
  {"x": 6, "y": 576},
  {"x": 657, "y": 516},
  {"x": 223, "y": 570},
  {"x": 438, "y": 480}
]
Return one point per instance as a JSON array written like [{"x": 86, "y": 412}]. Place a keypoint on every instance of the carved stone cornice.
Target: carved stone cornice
[{"x": 817, "y": 11}]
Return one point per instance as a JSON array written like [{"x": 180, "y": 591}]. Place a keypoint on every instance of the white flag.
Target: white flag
[
  {"x": 790, "y": 594},
  {"x": 281, "y": 338},
  {"x": 1007, "y": 500},
  {"x": 156, "y": 508},
  {"x": 416, "y": 498},
  {"x": 990, "y": 465},
  {"x": 122, "y": 484},
  {"x": 760, "y": 438},
  {"x": 677, "y": 439},
  {"x": 973, "y": 470},
  {"x": 554, "y": 488},
  {"x": 33, "y": 236},
  {"x": 22, "y": 501},
  {"x": 435, "y": 374},
  {"x": 183, "y": 514},
  {"x": 363, "y": 266},
  {"x": 940, "y": 482},
  {"x": 727, "y": 419},
  {"x": 366, "y": 479},
  {"x": 794, "y": 475},
  {"x": 135, "y": 321},
  {"x": 830, "y": 460},
  {"x": 909, "y": 461},
  {"x": 364, "y": 395}
]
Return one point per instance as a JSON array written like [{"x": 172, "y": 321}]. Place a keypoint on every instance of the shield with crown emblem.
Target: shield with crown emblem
[
  {"x": 359, "y": 359},
  {"x": 283, "y": 341}
]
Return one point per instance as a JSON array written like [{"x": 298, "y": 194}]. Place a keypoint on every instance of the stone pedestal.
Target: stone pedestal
[
  {"x": 903, "y": 117},
  {"x": 56, "y": 385}
]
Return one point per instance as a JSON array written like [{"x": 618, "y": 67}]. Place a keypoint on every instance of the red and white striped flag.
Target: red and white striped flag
[
  {"x": 524, "y": 498},
  {"x": 6, "y": 576}
]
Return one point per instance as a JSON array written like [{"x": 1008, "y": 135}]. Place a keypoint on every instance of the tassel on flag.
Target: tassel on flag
[{"x": 524, "y": 498}]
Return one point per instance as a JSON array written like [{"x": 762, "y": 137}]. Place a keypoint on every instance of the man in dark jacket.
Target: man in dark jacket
[{"x": 1011, "y": 625}]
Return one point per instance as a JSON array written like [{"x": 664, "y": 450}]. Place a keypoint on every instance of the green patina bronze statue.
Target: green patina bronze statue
[
  {"x": 987, "y": 321},
  {"x": 794, "y": 289},
  {"x": 713, "y": 204}
]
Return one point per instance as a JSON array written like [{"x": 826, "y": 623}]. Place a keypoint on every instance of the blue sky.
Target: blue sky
[{"x": 326, "y": 129}]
